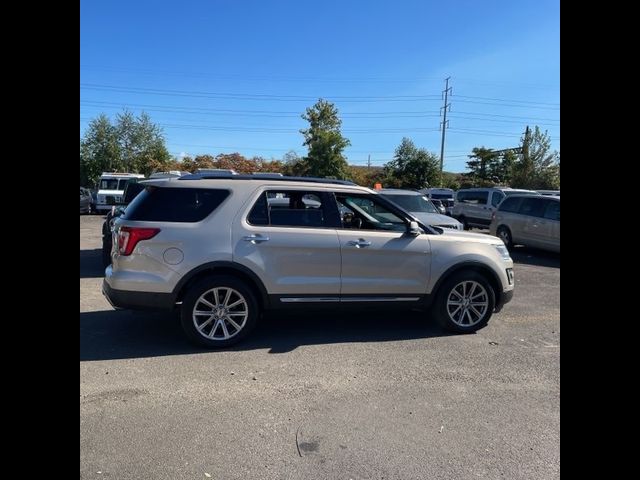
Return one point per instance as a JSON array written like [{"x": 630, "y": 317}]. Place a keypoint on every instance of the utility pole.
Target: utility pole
[
  {"x": 369, "y": 162},
  {"x": 444, "y": 123}
]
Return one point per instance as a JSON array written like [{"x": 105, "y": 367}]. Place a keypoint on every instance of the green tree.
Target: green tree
[
  {"x": 133, "y": 144},
  {"x": 537, "y": 167},
  {"x": 483, "y": 163},
  {"x": 324, "y": 141},
  {"x": 141, "y": 143},
  {"x": 412, "y": 167},
  {"x": 99, "y": 150}
]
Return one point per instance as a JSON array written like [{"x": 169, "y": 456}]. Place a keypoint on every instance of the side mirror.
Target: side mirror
[{"x": 414, "y": 229}]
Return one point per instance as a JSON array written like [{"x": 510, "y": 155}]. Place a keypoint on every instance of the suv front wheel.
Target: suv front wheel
[
  {"x": 218, "y": 311},
  {"x": 465, "y": 302}
]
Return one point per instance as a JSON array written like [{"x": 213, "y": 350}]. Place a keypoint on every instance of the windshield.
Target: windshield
[
  {"x": 413, "y": 203},
  {"x": 113, "y": 183},
  {"x": 443, "y": 196}
]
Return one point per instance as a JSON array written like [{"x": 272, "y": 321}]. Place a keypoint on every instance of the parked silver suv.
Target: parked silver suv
[{"x": 224, "y": 248}]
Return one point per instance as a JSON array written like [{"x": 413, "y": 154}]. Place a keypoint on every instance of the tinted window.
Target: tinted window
[
  {"x": 290, "y": 208},
  {"x": 441, "y": 196},
  {"x": 510, "y": 205},
  {"x": 552, "y": 211},
  {"x": 532, "y": 206},
  {"x": 496, "y": 198},
  {"x": 155, "y": 204},
  {"x": 367, "y": 213},
  {"x": 473, "y": 197}
]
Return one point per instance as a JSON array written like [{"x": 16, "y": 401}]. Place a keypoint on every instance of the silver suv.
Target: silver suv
[{"x": 224, "y": 248}]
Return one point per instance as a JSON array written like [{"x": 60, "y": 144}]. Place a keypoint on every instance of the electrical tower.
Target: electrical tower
[{"x": 445, "y": 123}]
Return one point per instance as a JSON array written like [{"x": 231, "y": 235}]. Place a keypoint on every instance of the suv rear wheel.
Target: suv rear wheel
[
  {"x": 219, "y": 311},
  {"x": 465, "y": 302}
]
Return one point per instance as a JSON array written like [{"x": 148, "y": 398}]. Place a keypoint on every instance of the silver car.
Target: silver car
[
  {"x": 420, "y": 207},
  {"x": 533, "y": 221},
  {"x": 221, "y": 249}
]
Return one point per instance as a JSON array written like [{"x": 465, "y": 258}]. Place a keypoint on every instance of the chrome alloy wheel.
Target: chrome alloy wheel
[
  {"x": 467, "y": 303},
  {"x": 220, "y": 313}
]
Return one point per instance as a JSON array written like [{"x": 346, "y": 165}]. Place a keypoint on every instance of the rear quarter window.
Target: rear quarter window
[{"x": 188, "y": 205}]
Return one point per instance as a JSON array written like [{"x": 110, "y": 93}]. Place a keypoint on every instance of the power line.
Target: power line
[
  {"x": 512, "y": 101},
  {"x": 509, "y": 105},
  {"x": 254, "y": 96},
  {"x": 372, "y": 79},
  {"x": 257, "y": 113}
]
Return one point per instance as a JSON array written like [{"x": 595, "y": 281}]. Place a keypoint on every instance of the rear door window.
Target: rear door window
[
  {"x": 292, "y": 208},
  {"x": 532, "y": 206},
  {"x": 182, "y": 205}
]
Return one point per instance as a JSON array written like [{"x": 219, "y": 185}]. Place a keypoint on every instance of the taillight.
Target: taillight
[{"x": 128, "y": 238}]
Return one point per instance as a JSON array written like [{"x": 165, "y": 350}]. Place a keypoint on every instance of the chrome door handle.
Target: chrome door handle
[
  {"x": 360, "y": 243},
  {"x": 255, "y": 239}
]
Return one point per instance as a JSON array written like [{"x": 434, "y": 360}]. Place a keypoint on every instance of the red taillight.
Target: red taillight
[{"x": 128, "y": 238}]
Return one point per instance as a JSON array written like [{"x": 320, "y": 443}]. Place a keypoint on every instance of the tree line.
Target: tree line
[{"x": 135, "y": 144}]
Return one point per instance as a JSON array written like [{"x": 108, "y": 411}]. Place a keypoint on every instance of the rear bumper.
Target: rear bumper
[{"x": 130, "y": 300}]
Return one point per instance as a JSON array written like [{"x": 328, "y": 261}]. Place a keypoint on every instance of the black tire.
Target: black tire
[
  {"x": 106, "y": 251},
  {"x": 463, "y": 221},
  {"x": 223, "y": 325},
  {"x": 504, "y": 234},
  {"x": 440, "y": 308}
]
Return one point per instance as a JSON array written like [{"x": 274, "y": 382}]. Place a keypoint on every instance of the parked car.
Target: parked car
[
  {"x": 132, "y": 188},
  {"x": 444, "y": 195},
  {"x": 214, "y": 248},
  {"x": 439, "y": 206},
  {"x": 528, "y": 220},
  {"x": 475, "y": 206},
  {"x": 417, "y": 204},
  {"x": 85, "y": 200}
]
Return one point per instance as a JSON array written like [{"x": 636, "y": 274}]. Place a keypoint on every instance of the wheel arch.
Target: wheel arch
[
  {"x": 472, "y": 266},
  {"x": 223, "y": 268}
]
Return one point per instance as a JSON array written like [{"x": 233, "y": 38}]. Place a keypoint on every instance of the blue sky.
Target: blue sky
[{"x": 226, "y": 76}]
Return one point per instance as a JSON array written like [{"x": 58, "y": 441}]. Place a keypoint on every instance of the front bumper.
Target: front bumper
[{"x": 505, "y": 298}]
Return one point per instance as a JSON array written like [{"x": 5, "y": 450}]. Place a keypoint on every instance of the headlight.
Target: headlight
[{"x": 504, "y": 253}]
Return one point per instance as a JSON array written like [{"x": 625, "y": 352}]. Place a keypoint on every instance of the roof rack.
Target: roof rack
[{"x": 223, "y": 176}]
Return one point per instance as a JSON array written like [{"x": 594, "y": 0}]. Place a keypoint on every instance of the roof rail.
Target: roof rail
[{"x": 221, "y": 176}]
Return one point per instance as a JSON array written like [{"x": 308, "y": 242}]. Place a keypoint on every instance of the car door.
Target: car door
[
  {"x": 477, "y": 207},
  {"x": 380, "y": 260},
  {"x": 535, "y": 227},
  {"x": 287, "y": 237}
]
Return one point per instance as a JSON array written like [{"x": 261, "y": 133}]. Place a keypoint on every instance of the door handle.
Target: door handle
[
  {"x": 255, "y": 239},
  {"x": 360, "y": 243}
]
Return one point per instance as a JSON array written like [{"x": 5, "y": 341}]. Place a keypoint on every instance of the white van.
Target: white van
[{"x": 111, "y": 188}]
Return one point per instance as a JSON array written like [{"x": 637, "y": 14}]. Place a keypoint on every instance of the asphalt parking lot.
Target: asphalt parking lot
[{"x": 379, "y": 395}]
